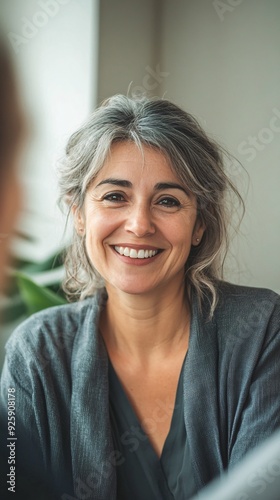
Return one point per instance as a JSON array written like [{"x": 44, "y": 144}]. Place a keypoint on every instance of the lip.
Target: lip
[
  {"x": 136, "y": 262},
  {"x": 137, "y": 247}
]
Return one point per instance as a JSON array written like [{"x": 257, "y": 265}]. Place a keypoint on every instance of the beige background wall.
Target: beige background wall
[
  {"x": 129, "y": 42},
  {"x": 220, "y": 61}
]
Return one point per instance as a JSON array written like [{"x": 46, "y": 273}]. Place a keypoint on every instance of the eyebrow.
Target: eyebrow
[
  {"x": 160, "y": 186},
  {"x": 170, "y": 185},
  {"x": 115, "y": 182}
]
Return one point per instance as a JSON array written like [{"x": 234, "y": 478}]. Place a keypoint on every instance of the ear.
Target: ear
[
  {"x": 78, "y": 219},
  {"x": 198, "y": 232}
]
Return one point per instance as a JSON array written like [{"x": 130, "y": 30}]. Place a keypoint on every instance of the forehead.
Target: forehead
[{"x": 128, "y": 160}]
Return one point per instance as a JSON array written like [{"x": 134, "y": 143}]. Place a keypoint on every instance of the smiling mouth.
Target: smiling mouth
[{"x": 136, "y": 254}]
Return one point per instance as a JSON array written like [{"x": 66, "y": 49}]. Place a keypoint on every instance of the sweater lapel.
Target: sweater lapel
[
  {"x": 201, "y": 406},
  {"x": 91, "y": 442}
]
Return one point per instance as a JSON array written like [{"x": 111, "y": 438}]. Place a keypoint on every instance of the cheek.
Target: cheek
[
  {"x": 180, "y": 232},
  {"x": 99, "y": 227},
  {"x": 180, "y": 237}
]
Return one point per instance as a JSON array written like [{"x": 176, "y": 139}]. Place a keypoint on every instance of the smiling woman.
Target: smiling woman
[
  {"x": 195, "y": 163},
  {"x": 159, "y": 376}
]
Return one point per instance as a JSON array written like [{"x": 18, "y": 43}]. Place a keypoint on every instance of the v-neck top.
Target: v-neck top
[{"x": 141, "y": 475}]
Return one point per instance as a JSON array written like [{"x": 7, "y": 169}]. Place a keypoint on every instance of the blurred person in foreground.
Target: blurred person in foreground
[
  {"x": 11, "y": 141},
  {"x": 158, "y": 375},
  {"x": 12, "y": 132},
  {"x": 30, "y": 482}
]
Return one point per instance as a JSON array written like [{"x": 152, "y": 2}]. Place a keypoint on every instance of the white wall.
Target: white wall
[
  {"x": 55, "y": 47},
  {"x": 224, "y": 66}
]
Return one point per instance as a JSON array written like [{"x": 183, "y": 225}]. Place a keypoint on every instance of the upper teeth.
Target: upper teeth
[{"x": 136, "y": 254}]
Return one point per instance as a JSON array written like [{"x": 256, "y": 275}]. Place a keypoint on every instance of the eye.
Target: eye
[
  {"x": 169, "y": 202},
  {"x": 114, "y": 197}
]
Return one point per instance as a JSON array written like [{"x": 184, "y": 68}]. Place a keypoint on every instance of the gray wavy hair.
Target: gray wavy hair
[{"x": 197, "y": 161}]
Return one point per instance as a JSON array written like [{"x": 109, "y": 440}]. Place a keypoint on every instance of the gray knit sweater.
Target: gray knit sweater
[{"x": 58, "y": 365}]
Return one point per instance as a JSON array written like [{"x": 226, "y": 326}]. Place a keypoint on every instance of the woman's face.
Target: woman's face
[{"x": 139, "y": 221}]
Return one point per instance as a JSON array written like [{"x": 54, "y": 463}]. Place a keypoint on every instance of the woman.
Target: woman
[{"x": 160, "y": 375}]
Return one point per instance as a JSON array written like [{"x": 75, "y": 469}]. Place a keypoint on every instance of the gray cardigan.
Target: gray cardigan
[{"x": 58, "y": 364}]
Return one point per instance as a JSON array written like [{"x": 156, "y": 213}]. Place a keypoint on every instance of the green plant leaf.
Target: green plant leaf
[{"x": 36, "y": 297}]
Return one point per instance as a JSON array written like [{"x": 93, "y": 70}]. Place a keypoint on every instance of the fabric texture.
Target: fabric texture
[
  {"x": 141, "y": 474},
  {"x": 58, "y": 364}
]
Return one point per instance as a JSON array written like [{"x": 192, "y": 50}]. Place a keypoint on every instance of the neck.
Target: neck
[{"x": 146, "y": 326}]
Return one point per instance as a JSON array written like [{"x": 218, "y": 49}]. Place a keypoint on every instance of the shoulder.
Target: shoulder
[
  {"x": 232, "y": 290},
  {"x": 54, "y": 329},
  {"x": 247, "y": 313},
  {"x": 236, "y": 299}
]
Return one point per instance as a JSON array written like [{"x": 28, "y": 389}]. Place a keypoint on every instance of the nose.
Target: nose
[{"x": 139, "y": 221}]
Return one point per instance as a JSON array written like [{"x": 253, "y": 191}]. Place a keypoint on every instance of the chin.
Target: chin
[{"x": 133, "y": 288}]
